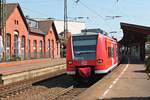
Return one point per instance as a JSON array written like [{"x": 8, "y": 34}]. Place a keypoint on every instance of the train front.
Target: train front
[{"x": 81, "y": 55}]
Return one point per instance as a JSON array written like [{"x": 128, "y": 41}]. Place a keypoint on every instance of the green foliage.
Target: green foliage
[
  {"x": 147, "y": 62},
  {"x": 148, "y": 38},
  {"x": 63, "y": 52},
  {"x": 14, "y": 58}
]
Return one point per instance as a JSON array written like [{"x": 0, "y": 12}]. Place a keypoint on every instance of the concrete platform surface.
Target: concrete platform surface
[
  {"x": 24, "y": 70},
  {"x": 7, "y": 68},
  {"x": 130, "y": 83}
]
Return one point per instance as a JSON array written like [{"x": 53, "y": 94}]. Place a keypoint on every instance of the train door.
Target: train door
[
  {"x": 112, "y": 53},
  {"x": 115, "y": 54},
  {"x": 8, "y": 47},
  {"x": 110, "y": 59}
]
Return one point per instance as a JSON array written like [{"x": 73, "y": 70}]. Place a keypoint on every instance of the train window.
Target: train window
[
  {"x": 110, "y": 52},
  {"x": 84, "y": 47},
  {"x": 84, "y": 42}
]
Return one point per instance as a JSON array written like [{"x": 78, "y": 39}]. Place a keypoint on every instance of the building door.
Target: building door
[
  {"x": 8, "y": 47},
  {"x": 23, "y": 47},
  {"x": 52, "y": 48}
]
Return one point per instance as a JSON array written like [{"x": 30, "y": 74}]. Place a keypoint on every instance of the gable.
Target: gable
[{"x": 10, "y": 7}]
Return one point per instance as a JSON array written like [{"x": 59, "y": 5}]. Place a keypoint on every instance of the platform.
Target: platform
[
  {"x": 20, "y": 70},
  {"x": 129, "y": 83}
]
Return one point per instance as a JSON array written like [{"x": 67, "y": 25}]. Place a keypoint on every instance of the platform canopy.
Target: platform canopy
[
  {"x": 133, "y": 33},
  {"x": 134, "y": 37}
]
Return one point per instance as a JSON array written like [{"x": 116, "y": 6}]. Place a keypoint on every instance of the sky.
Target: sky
[{"x": 94, "y": 12}]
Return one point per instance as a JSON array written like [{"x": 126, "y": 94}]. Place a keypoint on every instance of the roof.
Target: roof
[
  {"x": 36, "y": 30},
  {"x": 135, "y": 28},
  {"x": 10, "y": 7},
  {"x": 133, "y": 33},
  {"x": 46, "y": 25}
]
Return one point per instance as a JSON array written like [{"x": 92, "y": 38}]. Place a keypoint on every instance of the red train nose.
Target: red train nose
[{"x": 85, "y": 72}]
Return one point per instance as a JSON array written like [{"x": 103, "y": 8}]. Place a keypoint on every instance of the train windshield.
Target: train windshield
[{"x": 84, "y": 47}]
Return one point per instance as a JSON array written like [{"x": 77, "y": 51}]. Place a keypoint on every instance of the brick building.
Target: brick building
[
  {"x": 27, "y": 39},
  {"x": 43, "y": 38},
  {"x": 16, "y": 33}
]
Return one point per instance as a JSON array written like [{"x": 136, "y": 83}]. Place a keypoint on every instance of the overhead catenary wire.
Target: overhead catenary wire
[{"x": 94, "y": 12}]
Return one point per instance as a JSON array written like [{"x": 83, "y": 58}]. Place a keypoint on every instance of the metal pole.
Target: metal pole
[
  {"x": 1, "y": 17},
  {"x": 3, "y": 24},
  {"x": 65, "y": 19}
]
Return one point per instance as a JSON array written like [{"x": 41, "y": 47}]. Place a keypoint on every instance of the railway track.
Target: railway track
[
  {"x": 12, "y": 89},
  {"x": 70, "y": 93},
  {"x": 55, "y": 88},
  {"x": 64, "y": 88},
  {"x": 61, "y": 87}
]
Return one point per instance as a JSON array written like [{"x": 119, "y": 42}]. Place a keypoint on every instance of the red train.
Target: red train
[{"x": 91, "y": 53}]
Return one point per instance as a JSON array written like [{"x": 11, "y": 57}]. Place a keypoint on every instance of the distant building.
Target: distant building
[
  {"x": 43, "y": 38},
  {"x": 74, "y": 27}
]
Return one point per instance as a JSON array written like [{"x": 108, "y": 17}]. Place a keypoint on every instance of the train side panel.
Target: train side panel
[
  {"x": 69, "y": 58},
  {"x": 100, "y": 55},
  {"x": 106, "y": 50}
]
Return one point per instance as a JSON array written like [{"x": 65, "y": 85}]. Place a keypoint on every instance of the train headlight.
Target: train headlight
[
  {"x": 100, "y": 61},
  {"x": 70, "y": 62}
]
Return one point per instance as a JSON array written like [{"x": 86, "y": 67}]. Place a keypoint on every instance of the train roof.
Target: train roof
[
  {"x": 85, "y": 34},
  {"x": 92, "y": 34},
  {"x": 95, "y": 31}
]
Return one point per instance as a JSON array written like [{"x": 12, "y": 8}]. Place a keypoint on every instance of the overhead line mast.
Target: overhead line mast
[
  {"x": 65, "y": 19},
  {"x": 3, "y": 25}
]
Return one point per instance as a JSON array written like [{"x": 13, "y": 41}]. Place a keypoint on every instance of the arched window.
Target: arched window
[
  {"x": 41, "y": 48},
  {"x": 23, "y": 47},
  {"x": 35, "y": 48},
  {"x": 23, "y": 41},
  {"x": 52, "y": 48},
  {"x": 57, "y": 47},
  {"x": 8, "y": 40},
  {"x": 15, "y": 45},
  {"x": 8, "y": 47},
  {"x": 49, "y": 48},
  {"x": 29, "y": 49}
]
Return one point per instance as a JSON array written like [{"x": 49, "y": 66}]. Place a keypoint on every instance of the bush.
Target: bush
[
  {"x": 15, "y": 58},
  {"x": 147, "y": 62},
  {"x": 63, "y": 53}
]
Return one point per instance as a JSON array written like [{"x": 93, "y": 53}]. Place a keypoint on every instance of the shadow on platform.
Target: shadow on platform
[
  {"x": 140, "y": 71},
  {"x": 129, "y": 98},
  {"x": 132, "y": 60}
]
